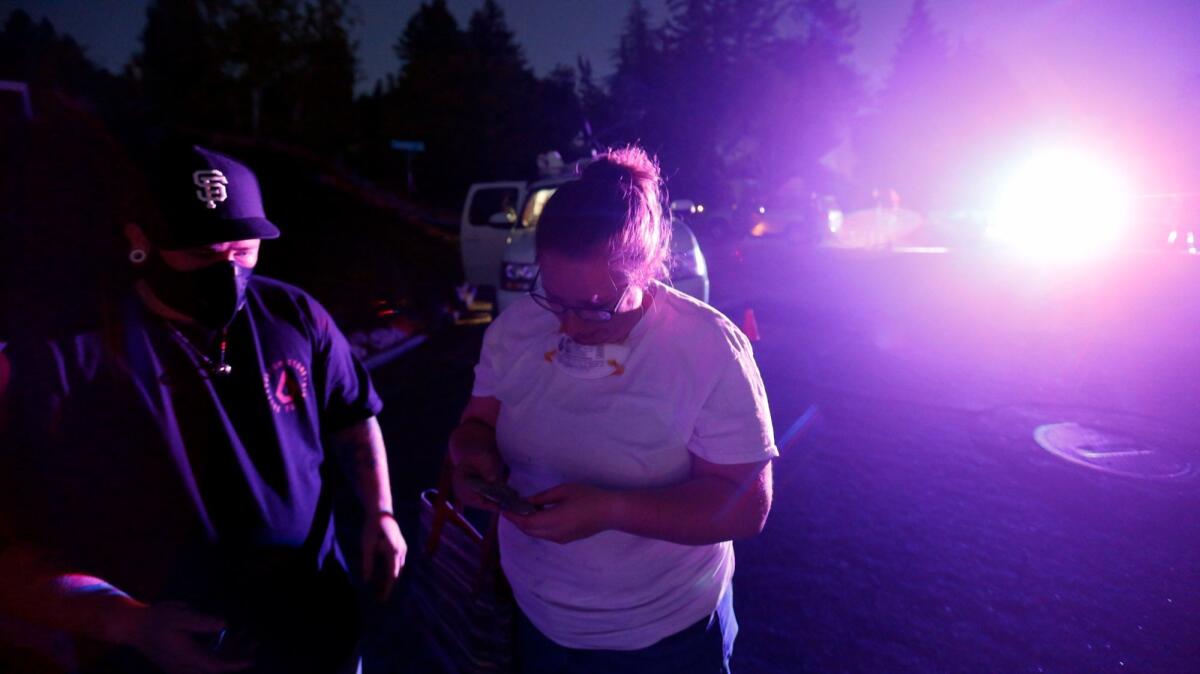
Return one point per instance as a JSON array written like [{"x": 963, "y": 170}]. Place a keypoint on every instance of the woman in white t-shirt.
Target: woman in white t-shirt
[{"x": 634, "y": 420}]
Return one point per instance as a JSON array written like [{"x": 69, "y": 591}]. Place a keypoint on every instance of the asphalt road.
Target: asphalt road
[{"x": 917, "y": 525}]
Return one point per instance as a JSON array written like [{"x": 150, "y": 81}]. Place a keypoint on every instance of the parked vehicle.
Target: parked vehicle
[{"x": 499, "y": 226}]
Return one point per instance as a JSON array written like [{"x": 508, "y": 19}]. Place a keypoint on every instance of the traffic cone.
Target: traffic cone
[{"x": 750, "y": 325}]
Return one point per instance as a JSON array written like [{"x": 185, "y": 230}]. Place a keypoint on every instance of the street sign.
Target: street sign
[
  {"x": 408, "y": 145},
  {"x": 409, "y": 148}
]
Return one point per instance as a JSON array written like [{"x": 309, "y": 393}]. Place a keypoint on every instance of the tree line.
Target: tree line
[{"x": 733, "y": 96}]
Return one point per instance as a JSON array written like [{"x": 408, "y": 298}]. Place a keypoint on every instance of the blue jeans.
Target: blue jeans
[{"x": 704, "y": 647}]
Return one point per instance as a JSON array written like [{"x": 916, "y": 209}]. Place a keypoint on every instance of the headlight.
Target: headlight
[
  {"x": 1063, "y": 202},
  {"x": 835, "y": 221},
  {"x": 517, "y": 276}
]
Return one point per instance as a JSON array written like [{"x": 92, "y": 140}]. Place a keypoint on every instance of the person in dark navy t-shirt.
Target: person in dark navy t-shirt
[{"x": 175, "y": 466}]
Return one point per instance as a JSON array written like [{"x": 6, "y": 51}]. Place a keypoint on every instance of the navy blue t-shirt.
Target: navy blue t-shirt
[{"x": 140, "y": 466}]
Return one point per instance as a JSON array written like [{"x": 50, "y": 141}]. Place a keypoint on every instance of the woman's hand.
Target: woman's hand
[
  {"x": 569, "y": 512},
  {"x": 482, "y": 465},
  {"x": 474, "y": 453}
]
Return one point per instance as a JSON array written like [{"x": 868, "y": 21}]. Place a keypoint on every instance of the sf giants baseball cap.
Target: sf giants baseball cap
[{"x": 206, "y": 197}]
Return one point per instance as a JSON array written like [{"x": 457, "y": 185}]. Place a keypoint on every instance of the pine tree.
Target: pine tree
[
  {"x": 817, "y": 84},
  {"x": 595, "y": 108},
  {"x": 637, "y": 49},
  {"x": 181, "y": 65},
  {"x": 430, "y": 102},
  {"x": 738, "y": 99},
  {"x": 922, "y": 55},
  {"x": 431, "y": 35},
  {"x": 330, "y": 73},
  {"x": 507, "y": 109},
  {"x": 36, "y": 53},
  {"x": 489, "y": 36}
]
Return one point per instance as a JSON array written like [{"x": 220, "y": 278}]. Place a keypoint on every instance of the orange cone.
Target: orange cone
[{"x": 750, "y": 326}]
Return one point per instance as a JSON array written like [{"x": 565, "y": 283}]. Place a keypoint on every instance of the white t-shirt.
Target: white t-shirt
[{"x": 689, "y": 386}]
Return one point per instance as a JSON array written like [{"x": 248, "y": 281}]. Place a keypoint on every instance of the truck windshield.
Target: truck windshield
[{"x": 534, "y": 205}]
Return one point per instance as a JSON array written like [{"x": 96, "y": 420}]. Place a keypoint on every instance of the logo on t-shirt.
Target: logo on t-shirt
[
  {"x": 588, "y": 361},
  {"x": 286, "y": 383}
]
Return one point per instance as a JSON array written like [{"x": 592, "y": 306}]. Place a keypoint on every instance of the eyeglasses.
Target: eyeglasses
[{"x": 590, "y": 314}]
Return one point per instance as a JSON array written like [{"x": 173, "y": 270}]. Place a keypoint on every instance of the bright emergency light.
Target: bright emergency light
[{"x": 1062, "y": 203}]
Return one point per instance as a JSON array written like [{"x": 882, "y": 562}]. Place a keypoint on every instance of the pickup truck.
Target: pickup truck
[{"x": 499, "y": 224}]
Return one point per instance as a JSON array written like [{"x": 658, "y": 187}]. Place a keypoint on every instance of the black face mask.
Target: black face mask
[{"x": 212, "y": 295}]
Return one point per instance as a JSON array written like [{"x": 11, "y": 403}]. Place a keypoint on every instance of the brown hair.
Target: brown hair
[{"x": 617, "y": 206}]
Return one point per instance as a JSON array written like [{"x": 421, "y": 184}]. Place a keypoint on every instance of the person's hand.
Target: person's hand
[
  {"x": 175, "y": 637},
  {"x": 479, "y": 465},
  {"x": 383, "y": 553},
  {"x": 568, "y": 512}
]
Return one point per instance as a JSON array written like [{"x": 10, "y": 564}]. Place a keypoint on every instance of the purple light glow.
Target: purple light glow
[{"x": 1062, "y": 203}]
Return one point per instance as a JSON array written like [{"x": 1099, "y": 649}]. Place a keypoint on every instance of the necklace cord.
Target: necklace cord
[{"x": 220, "y": 367}]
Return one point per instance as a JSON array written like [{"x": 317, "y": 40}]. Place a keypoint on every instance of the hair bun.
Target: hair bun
[
  {"x": 629, "y": 165},
  {"x": 605, "y": 171},
  {"x": 617, "y": 206}
]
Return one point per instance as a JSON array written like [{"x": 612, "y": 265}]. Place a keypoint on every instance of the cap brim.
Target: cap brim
[{"x": 224, "y": 230}]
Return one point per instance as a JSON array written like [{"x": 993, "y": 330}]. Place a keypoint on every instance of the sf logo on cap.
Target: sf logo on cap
[{"x": 212, "y": 187}]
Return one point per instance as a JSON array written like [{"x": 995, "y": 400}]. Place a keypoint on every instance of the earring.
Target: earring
[{"x": 137, "y": 256}]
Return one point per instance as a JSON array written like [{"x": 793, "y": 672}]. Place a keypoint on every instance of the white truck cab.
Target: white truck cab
[
  {"x": 489, "y": 215},
  {"x": 499, "y": 227}
]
